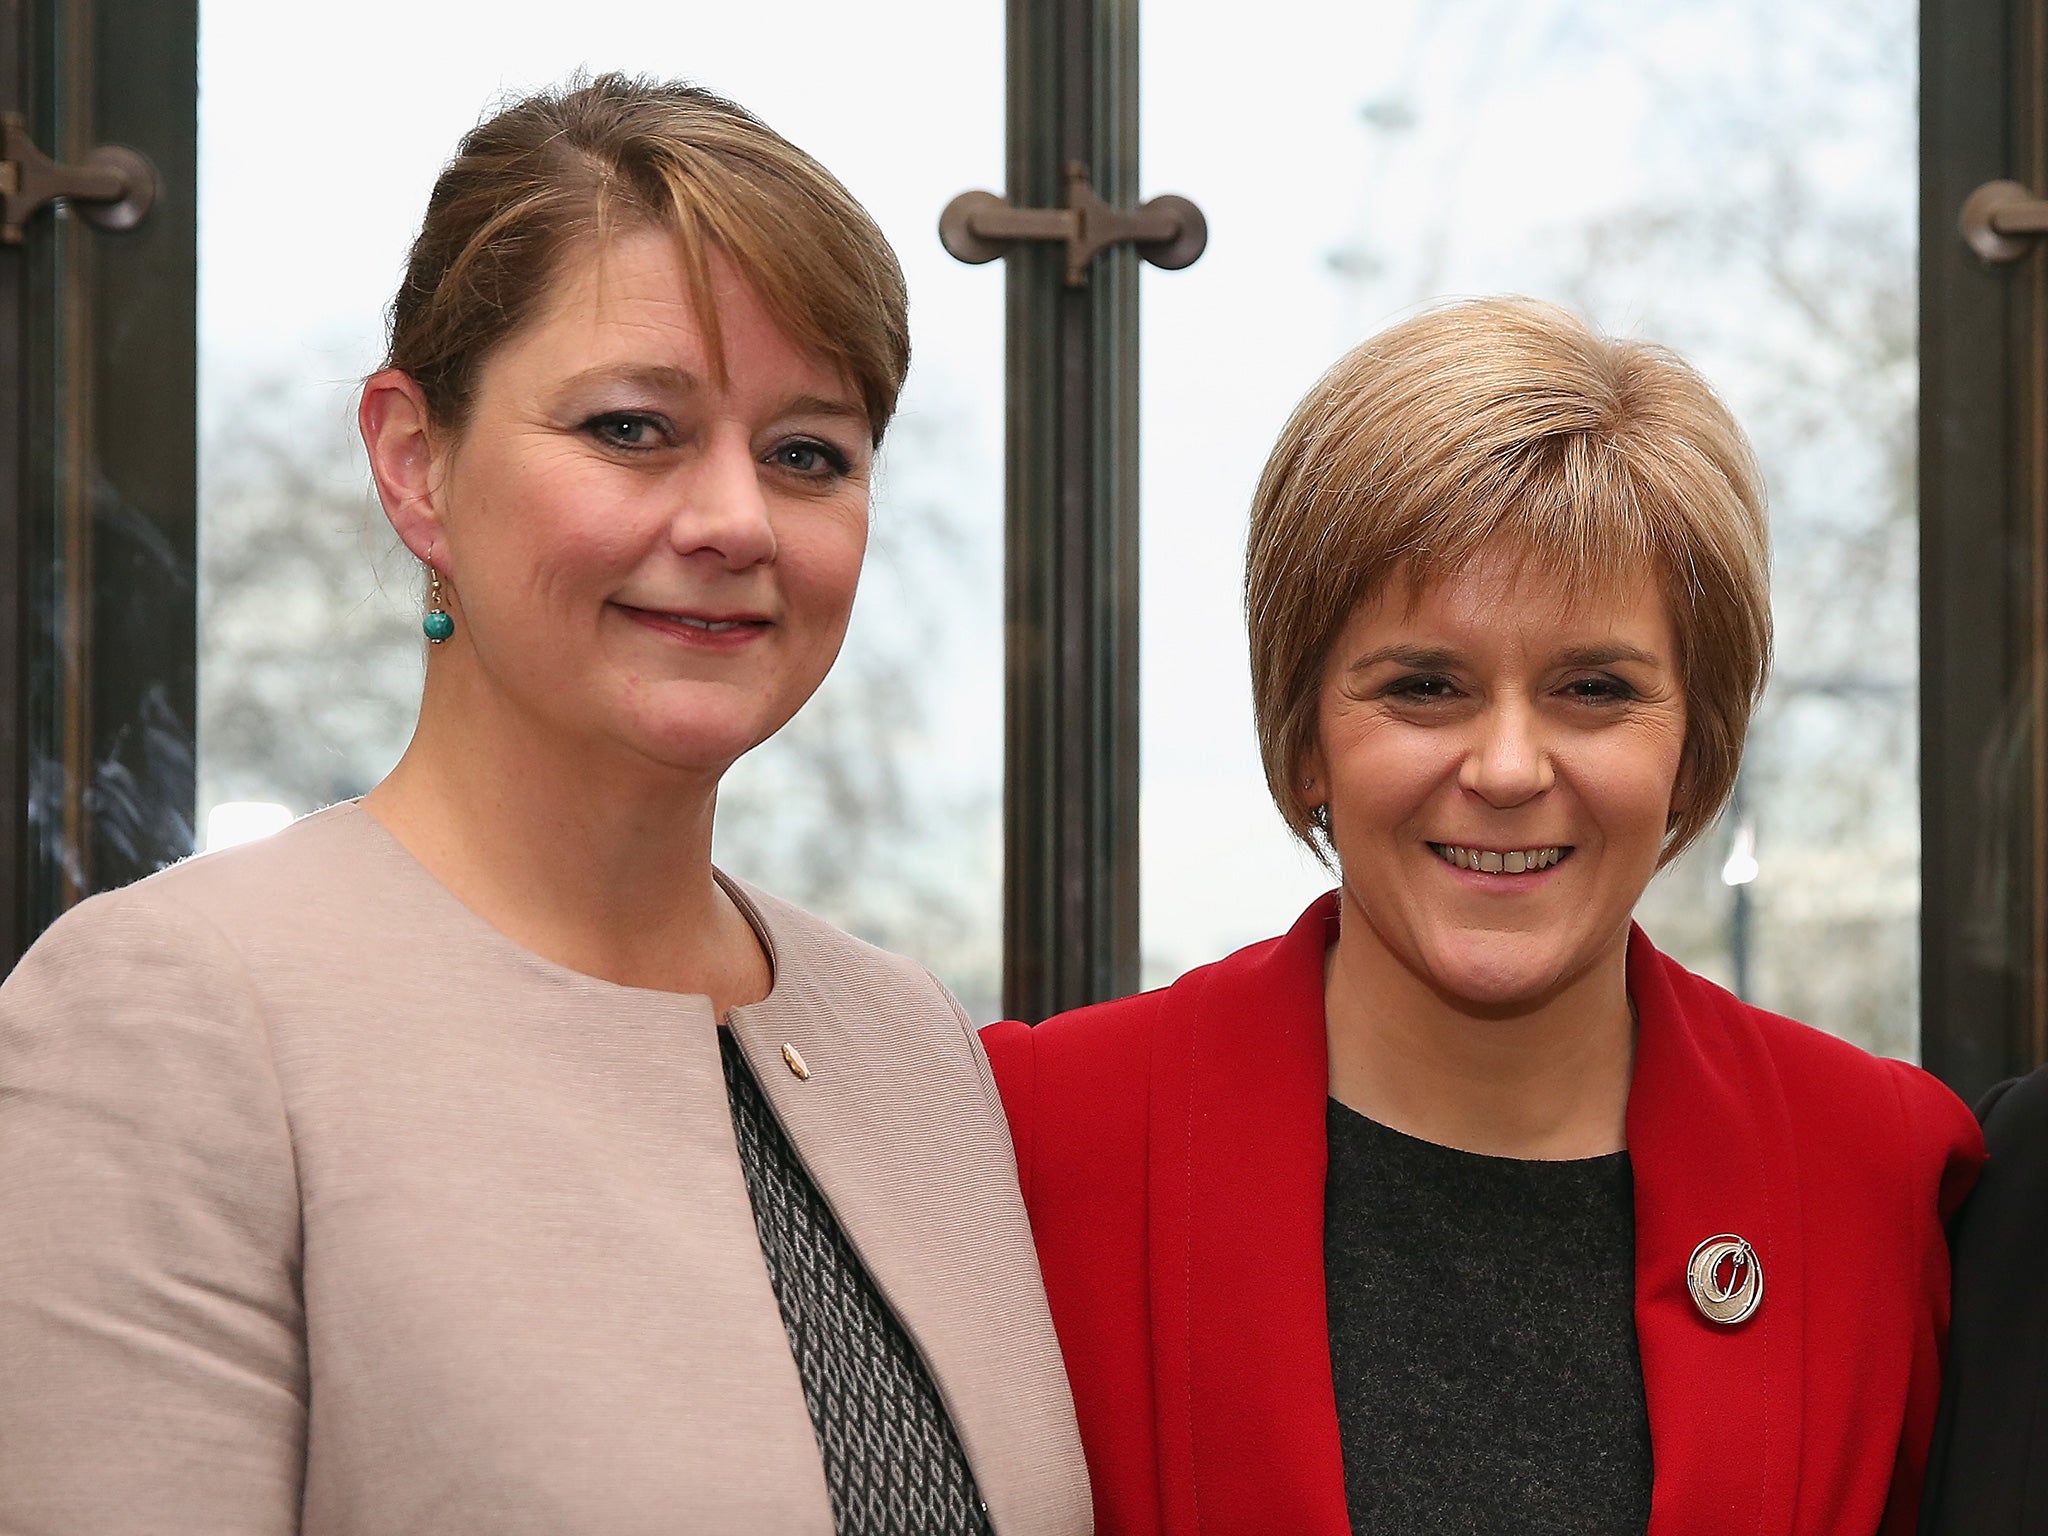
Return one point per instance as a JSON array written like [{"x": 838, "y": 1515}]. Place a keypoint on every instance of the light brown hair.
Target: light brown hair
[
  {"x": 1511, "y": 423},
  {"x": 592, "y": 159}
]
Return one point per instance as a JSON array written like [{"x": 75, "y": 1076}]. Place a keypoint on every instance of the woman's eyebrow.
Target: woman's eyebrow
[
  {"x": 662, "y": 377},
  {"x": 667, "y": 379},
  {"x": 1421, "y": 658},
  {"x": 1607, "y": 653},
  {"x": 824, "y": 405}
]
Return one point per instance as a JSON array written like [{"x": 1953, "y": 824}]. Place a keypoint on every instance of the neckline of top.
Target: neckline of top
[
  {"x": 1598, "y": 1162},
  {"x": 351, "y": 813}
]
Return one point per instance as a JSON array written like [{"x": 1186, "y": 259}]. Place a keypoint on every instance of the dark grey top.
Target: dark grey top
[
  {"x": 1482, "y": 1336},
  {"x": 893, "y": 1464}
]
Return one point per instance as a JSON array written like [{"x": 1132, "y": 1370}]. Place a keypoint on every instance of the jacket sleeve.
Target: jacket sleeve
[
  {"x": 1946, "y": 1150},
  {"x": 1010, "y": 1050},
  {"x": 1984, "y": 1475},
  {"x": 152, "y": 1356}
]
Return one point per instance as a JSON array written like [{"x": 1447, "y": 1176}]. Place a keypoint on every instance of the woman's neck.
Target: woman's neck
[
  {"x": 1548, "y": 1083},
  {"x": 595, "y": 861}
]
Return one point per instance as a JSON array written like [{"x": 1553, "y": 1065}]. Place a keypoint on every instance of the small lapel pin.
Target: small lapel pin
[
  {"x": 1726, "y": 1280},
  {"x": 794, "y": 1060}
]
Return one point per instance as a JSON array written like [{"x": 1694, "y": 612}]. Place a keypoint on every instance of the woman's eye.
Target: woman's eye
[
  {"x": 1598, "y": 690},
  {"x": 810, "y": 458},
  {"x": 1422, "y": 689},
  {"x": 625, "y": 429}
]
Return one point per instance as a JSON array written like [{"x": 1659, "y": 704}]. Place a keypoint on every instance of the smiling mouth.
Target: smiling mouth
[
  {"x": 698, "y": 622},
  {"x": 1494, "y": 861}
]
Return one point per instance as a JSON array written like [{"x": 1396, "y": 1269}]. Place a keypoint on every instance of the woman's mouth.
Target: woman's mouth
[
  {"x": 1497, "y": 861},
  {"x": 700, "y": 628}
]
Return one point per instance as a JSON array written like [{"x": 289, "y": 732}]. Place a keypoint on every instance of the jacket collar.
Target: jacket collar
[
  {"x": 1248, "y": 1424},
  {"x": 1709, "y": 1138},
  {"x": 1248, "y": 1416}
]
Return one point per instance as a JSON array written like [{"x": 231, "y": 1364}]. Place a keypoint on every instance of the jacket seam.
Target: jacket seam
[
  {"x": 232, "y": 953},
  {"x": 261, "y": 1016}
]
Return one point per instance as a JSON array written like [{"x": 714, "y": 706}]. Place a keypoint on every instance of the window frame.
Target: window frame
[
  {"x": 1983, "y": 555},
  {"x": 99, "y": 357}
]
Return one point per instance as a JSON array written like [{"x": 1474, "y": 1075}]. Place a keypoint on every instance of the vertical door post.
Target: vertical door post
[
  {"x": 98, "y": 503},
  {"x": 1984, "y": 552},
  {"x": 17, "y": 82},
  {"x": 1070, "y": 782}
]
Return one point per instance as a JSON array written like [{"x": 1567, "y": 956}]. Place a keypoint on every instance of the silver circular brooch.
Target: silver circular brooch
[{"x": 1726, "y": 1280}]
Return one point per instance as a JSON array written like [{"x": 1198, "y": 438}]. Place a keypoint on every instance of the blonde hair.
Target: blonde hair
[
  {"x": 596, "y": 158},
  {"x": 1511, "y": 423}
]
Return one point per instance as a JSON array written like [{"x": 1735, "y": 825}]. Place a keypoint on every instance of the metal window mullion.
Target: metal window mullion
[
  {"x": 1071, "y": 750},
  {"x": 15, "y": 481},
  {"x": 1984, "y": 555},
  {"x": 98, "y": 633}
]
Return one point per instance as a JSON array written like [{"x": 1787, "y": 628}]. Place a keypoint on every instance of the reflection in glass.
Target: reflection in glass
[{"x": 1732, "y": 177}]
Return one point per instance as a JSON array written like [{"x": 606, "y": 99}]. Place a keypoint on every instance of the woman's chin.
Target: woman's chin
[
  {"x": 708, "y": 736},
  {"x": 1500, "y": 975},
  {"x": 700, "y": 752}
]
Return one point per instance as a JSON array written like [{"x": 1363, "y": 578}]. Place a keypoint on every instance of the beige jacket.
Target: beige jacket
[{"x": 324, "y": 1208}]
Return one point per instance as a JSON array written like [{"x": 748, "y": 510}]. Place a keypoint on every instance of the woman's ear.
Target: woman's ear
[
  {"x": 1682, "y": 784},
  {"x": 398, "y": 435},
  {"x": 1311, "y": 777}
]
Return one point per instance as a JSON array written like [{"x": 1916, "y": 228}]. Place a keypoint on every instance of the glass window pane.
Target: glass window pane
[
  {"x": 880, "y": 806},
  {"x": 1735, "y": 178}
]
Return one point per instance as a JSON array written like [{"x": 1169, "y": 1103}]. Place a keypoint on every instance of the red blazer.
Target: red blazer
[{"x": 1172, "y": 1152}]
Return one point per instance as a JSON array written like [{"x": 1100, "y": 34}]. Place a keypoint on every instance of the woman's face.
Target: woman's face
[
  {"x": 642, "y": 555},
  {"x": 1500, "y": 769}
]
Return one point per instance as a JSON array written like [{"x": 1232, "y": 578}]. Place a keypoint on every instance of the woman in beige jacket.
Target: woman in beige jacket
[{"x": 475, "y": 1157}]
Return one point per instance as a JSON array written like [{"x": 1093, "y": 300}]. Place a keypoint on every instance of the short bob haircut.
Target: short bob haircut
[
  {"x": 574, "y": 167},
  {"x": 1506, "y": 423}
]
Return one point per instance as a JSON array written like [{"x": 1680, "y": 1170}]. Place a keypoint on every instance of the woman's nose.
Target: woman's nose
[
  {"x": 1509, "y": 762},
  {"x": 723, "y": 509}
]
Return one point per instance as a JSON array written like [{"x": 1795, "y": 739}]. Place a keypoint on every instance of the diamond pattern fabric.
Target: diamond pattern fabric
[{"x": 893, "y": 1464}]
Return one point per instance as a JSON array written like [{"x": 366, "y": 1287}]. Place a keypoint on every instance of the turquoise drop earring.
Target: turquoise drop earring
[{"x": 439, "y": 624}]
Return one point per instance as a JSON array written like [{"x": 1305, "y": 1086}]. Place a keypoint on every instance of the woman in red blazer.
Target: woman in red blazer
[{"x": 1459, "y": 1207}]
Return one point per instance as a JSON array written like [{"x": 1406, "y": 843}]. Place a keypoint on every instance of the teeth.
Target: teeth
[
  {"x": 706, "y": 625},
  {"x": 1490, "y": 862}
]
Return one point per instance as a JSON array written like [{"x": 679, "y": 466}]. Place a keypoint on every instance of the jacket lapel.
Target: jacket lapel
[
  {"x": 898, "y": 1125},
  {"x": 1248, "y": 1422},
  {"x": 1710, "y": 1142}
]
